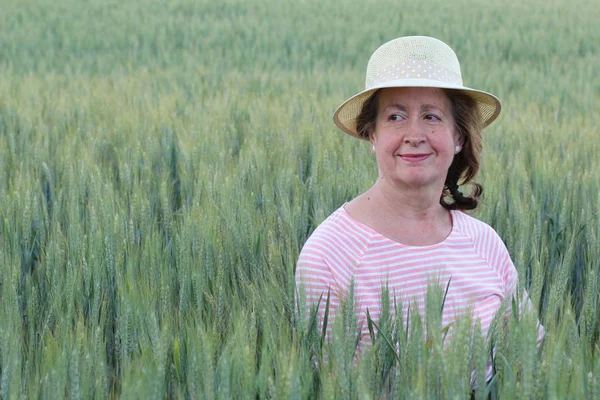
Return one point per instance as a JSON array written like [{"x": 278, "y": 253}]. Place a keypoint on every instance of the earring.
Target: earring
[
  {"x": 372, "y": 147},
  {"x": 457, "y": 149}
]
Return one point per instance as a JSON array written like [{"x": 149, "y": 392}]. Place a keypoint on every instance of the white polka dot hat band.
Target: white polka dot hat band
[
  {"x": 415, "y": 69},
  {"x": 413, "y": 61}
]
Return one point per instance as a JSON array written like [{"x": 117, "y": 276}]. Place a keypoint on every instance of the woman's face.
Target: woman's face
[{"x": 414, "y": 137}]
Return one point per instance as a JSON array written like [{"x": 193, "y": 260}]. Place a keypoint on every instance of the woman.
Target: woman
[{"x": 424, "y": 128}]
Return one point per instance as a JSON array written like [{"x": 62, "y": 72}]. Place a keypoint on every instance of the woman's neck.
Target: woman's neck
[
  {"x": 418, "y": 204},
  {"x": 413, "y": 218}
]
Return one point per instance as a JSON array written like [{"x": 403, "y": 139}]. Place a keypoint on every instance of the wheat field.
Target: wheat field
[{"x": 163, "y": 162}]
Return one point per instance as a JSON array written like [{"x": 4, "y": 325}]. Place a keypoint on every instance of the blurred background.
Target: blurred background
[{"x": 163, "y": 162}]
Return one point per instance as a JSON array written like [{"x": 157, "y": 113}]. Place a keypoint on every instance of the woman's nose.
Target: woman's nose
[{"x": 415, "y": 133}]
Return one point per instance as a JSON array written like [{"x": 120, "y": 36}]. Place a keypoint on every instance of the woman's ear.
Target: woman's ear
[
  {"x": 458, "y": 144},
  {"x": 459, "y": 140}
]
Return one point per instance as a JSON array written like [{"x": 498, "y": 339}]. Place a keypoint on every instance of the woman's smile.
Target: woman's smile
[{"x": 415, "y": 157}]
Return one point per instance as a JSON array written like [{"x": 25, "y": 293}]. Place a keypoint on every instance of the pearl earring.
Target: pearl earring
[
  {"x": 373, "y": 147},
  {"x": 457, "y": 149}
]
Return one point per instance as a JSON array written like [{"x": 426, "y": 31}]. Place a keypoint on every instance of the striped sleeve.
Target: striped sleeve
[
  {"x": 512, "y": 282},
  {"x": 315, "y": 282},
  {"x": 491, "y": 247},
  {"x": 327, "y": 265}
]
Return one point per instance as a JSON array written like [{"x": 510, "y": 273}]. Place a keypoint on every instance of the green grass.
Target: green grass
[{"x": 162, "y": 163}]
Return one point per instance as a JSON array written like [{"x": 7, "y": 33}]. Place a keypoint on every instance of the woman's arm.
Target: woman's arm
[
  {"x": 316, "y": 290},
  {"x": 511, "y": 283}
]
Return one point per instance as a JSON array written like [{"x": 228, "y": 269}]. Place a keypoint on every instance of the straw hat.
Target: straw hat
[{"x": 413, "y": 61}]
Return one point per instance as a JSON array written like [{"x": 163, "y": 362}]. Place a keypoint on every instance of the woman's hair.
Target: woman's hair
[{"x": 465, "y": 164}]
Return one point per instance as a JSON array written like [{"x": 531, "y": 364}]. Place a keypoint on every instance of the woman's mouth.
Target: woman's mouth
[{"x": 414, "y": 157}]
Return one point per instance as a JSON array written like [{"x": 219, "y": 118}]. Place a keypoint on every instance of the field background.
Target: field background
[{"x": 162, "y": 163}]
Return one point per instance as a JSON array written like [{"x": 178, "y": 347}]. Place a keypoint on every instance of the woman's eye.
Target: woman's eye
[
  {"x": 395, "y": 117},
  {"x": 432, "y": 117}
]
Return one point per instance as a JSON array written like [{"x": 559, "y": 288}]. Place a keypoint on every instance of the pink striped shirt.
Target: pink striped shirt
[{"x": 472, "y": 257}]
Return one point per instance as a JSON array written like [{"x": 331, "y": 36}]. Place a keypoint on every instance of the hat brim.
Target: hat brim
[{"x": 345, "y": 116}]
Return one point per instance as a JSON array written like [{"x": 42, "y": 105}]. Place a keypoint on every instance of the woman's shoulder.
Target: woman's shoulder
[
  {"x": 338, "y": 232},
  {"x": 473, "y": 227},
  {"x": 488, "y": 244}
]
